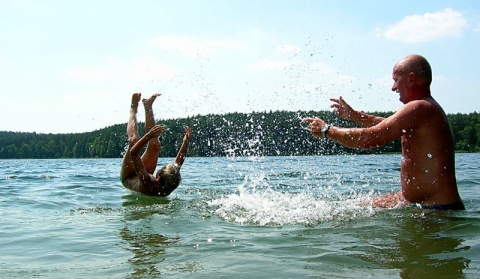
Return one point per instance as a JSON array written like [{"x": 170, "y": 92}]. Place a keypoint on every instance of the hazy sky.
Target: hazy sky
[{"x": 71, "y": 66}]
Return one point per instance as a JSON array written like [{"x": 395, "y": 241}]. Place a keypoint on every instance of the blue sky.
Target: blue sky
[{"x": 71, "y": 66}]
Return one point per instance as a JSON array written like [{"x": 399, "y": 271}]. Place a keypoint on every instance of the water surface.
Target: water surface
[{"x": 243, "y": 217}]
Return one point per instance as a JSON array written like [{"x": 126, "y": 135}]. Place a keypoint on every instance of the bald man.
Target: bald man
[{"x": 428, "y": 158}]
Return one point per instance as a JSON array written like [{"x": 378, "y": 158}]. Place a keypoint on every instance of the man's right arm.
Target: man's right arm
[
  {"x": 345, "y": 111},
  {"x": 365, "y": 120}
]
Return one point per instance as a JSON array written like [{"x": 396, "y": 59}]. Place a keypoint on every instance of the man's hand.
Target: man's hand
[
  {"x": 341, "y": 108},
  {"x": 316, "y": 125}
]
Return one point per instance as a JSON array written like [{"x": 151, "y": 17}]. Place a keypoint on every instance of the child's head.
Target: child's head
[{"x": 169, "y": 177}]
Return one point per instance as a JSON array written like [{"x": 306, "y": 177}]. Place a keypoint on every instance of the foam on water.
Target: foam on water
[{"x": 257, "y": 202}]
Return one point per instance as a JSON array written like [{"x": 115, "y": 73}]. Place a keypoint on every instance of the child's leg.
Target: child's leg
[
  {"x": 150, "y": 157},
  {"x": 132, "y": 132}
]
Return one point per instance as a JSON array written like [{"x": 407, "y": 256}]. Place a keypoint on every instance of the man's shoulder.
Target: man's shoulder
[
  {"x": 421, "y": 103},
  {"x": 417, "y": 113},
  {"x": 422, "y": 107}
]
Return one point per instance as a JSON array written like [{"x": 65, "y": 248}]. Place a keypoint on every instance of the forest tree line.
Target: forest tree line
[{"x": 278, "y": 133}]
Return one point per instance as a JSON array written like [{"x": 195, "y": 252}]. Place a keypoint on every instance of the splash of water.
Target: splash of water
[{"x": 258, "y": 203}]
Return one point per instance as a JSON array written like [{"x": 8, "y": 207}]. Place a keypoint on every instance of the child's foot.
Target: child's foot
[
  {"x": 135, "y": 99},
  {"x": 149, "y": 102}
]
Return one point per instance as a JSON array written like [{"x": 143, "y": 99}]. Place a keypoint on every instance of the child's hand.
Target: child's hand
[
  {"x": 156, "y": 131},
  {"x": 188, "y": 134}
]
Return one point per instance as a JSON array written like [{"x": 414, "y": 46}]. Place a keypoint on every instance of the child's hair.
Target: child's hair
[{"x": 169, "y": 177}]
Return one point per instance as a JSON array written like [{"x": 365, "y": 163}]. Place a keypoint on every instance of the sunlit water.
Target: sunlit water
[{"x": 249, "y": 217}]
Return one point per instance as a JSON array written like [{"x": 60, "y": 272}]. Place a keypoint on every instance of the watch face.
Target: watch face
[{"x": 325, "y": 129}]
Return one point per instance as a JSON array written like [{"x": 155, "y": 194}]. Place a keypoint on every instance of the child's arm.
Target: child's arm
[
  {"x": 182, "y": 152},
  {"x": 156, "y": 131}
]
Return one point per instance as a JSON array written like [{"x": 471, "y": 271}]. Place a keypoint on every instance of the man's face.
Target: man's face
[{"x": 400, "y": 84}]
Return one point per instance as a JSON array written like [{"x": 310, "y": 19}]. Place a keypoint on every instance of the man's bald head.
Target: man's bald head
[{"x": 418, "y": 65}]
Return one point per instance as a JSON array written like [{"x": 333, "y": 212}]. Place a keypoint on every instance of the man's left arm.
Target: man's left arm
[{"x": 404, "y": 120}]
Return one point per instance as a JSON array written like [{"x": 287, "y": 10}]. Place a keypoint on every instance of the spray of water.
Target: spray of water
[{"x": 260, "y": 203}]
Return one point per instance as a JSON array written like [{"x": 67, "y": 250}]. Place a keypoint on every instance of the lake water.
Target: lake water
[{"x": 243, "y": 217}]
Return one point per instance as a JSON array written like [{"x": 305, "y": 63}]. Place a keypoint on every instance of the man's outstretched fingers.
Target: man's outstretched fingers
[{"x": 308, "y": 119}]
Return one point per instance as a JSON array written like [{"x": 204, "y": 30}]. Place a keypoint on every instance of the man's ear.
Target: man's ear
[{"x": 412, "y": 77}]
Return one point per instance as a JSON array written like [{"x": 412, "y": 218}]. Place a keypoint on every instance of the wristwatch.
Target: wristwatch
[{"x": 325, "y": 129}]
